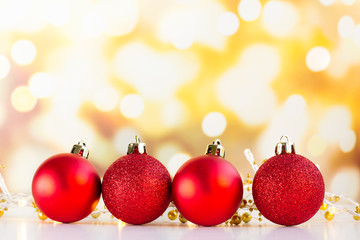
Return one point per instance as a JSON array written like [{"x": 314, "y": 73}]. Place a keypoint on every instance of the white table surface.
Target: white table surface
[{"x": 32, "y": 228}]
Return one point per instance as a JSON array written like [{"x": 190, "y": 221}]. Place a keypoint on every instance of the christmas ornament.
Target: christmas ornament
[
  {"x": 66, "y": 187},
  {"x": 207, "y": 190},
  {"x": 137, "y": 187},
  {"x": 288, "y": 189}
]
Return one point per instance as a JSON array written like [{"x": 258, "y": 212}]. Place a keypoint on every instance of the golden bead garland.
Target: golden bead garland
[{"x": 337, "y": 203}]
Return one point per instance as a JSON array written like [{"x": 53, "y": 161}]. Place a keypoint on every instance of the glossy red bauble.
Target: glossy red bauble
[
  {"x": 137, "y": 188},
  {"x": 66, "y": 187},
  {"x": 288, "y": 189},
  {"x": 207, "y": 190}
]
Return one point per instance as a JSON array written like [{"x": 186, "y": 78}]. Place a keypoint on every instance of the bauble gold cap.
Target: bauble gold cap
[
  {"x": 137, "y": 146},
  {"x": 285, "y": 146},
  {"x": 81, "y": 150},
  {"x": 216, "y": 149}
]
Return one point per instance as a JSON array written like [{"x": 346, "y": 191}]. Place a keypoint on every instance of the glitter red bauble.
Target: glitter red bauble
[
  {"x": 137, "y": 188},
  {"x": 66, "y": 187},
  {"x": 207, "y": 190},
  {"x": 288, "y": 189}
]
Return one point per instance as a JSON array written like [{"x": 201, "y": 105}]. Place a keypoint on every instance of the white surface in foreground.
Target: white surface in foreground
[{"x": 32, "y": 228}]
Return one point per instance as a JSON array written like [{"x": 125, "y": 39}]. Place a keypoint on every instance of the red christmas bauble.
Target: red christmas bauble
[
  {"x": 136, "y": 188},
  {"x": 207, "y": 190},
  {"x": 288, "y": 189},
  {"x": 66, "y": 187}
]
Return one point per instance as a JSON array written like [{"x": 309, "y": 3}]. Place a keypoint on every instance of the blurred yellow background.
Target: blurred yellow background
[{"x": 180, "y": 73}]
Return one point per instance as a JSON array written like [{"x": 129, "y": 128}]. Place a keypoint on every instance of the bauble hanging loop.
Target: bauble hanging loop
[
  {"x": 216, "y": 149},
  {"x": 137, "y": 146},
  {"x": 284, "y": 146},
  {"x": 81, "y": 150}
]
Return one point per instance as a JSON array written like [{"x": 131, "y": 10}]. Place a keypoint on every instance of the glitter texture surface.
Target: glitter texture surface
[
  {"x": 136, "y": 188},
  {"x": 288, "y": 189}
]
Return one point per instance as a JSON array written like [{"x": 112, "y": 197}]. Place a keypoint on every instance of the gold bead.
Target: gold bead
[
  {"x": 251, "y": 209},
  {"x": 248, "y": 175},
  {"x": 227, "y": 222},
  {"x": 250, "y": 201},
  {"x": 176, "y": 210},
  {"x": 6, "y": 209},
  {"x": 248, "y": 189},
  {"x": 330, "y": 199},
  {"x": 182, "y": 219},
  {"x": 329, "y": 216},
  {"x": 260, "y": 214},
  {"x": 3, "y": 200},
  {"x": 357, "y": 218},
  {"x": 260, "y": 219},
  {"x": 336, "y": 198},
  {"x": 246, "y": 217},
  {"x": 243, "y": 203},
  {"x": 1, "y": 212},
  {"x": 172, "y": 215},
  {"x": 96, "y": 215},
  {"x": 236, "y": 219},
  {"x": 42, "y": 216},
  {"x": 323, "y": 206},
  {"x": 357, "y": 209}
]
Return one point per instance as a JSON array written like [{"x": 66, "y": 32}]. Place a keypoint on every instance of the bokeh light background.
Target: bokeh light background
[{"x": 180, "y": 73}]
